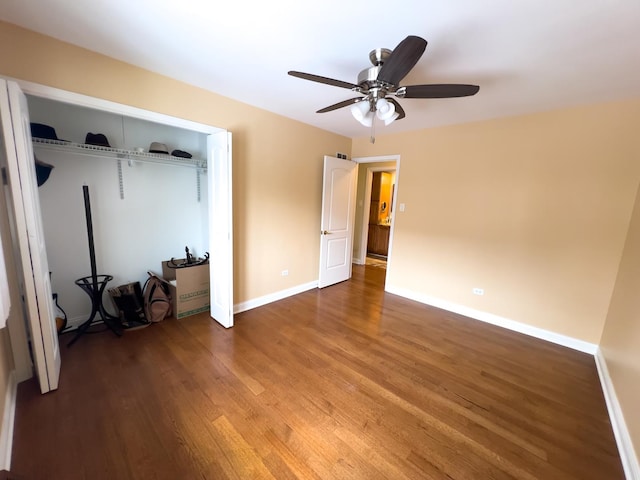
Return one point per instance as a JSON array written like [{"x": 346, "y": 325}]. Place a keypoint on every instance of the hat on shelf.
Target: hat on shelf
[
  {"x": 43, "y": 170},
  {"x": 181, "y": 153},
  {"x": 157, "y": 147},
  {"x": 40, "y": 130},
  {"x": 96, "y": 139}
]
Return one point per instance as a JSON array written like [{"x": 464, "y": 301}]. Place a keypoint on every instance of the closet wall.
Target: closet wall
[{"x": 163, "y": 210}]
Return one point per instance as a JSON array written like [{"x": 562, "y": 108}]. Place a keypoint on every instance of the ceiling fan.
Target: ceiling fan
[{"x": 379, "y": 86}]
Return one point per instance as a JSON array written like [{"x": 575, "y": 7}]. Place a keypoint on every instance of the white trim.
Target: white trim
[
  {"x": 620, "y": 431},
  {"x": 8, "y": 416},
  {"x": 273, "y": 297},
  {"x": 78, "y": 320},
  {"x": 503, "y": 322},
  {"x": 78, "y": 99},
  {"x": 377, "y": 159}
]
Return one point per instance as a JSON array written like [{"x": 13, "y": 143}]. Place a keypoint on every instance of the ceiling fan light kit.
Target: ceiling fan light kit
[
  {"x": 379, "y": 85},
  {"x": 386, "y": 111},
  {"x": 361, "y": 111}
]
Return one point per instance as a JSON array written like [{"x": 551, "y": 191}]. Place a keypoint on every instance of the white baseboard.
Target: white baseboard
[
  {"x": 623, "y": 439},
  {"x": 509, "y": 324},
  {"x": 273, "y": 297},
  {"x": 358, "y": 261},
  {"x": 75, "y": 322},
  {"x": 8, "y": 416}
]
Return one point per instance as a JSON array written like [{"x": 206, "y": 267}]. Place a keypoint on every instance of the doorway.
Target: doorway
[
  {"x": 375, "y": 215},
  {"x": 380, "y": 215}
]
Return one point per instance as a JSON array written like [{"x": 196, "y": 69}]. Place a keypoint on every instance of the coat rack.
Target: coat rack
[{"x": 94, "y": 285}]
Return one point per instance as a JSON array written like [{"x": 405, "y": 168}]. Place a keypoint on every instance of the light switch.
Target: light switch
[{"x": 402, "y": 207}]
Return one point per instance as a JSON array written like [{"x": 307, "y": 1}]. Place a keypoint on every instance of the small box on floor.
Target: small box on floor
[{"x": 189, "y": 288}]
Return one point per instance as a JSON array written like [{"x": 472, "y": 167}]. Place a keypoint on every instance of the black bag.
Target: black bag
[
  {"x": 157, "y": 298},
  {"x": 128, "y": 301}
]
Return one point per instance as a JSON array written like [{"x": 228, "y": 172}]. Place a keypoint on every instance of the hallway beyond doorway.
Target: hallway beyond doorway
[{"x": 376, "y": 261}]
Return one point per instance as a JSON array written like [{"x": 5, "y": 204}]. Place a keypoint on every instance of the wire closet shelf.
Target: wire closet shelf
[{"x": 99, "y": 151}]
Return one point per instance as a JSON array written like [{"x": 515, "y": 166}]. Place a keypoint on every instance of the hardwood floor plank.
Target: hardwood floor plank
[
  {"x": 347, "y": 382},
  {"x": 242, "y": 462}
]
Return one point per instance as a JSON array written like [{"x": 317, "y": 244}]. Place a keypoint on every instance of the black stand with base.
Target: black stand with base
[{"x": 94, "y": 285}]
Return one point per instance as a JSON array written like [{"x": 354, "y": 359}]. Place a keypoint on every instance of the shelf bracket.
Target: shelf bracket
[
  {"x": 198, "y": 183},
  {"x": 120, "y": 180}
]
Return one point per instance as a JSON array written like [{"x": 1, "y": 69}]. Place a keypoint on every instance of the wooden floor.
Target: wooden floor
[{"x": 347, "y": 382}]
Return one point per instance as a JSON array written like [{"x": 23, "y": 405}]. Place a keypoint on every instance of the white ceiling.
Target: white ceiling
[{"x": 526, "y": 55}]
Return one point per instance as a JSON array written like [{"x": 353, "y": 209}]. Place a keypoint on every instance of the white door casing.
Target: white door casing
[
  {"x": 336, "y": 230},
  {"x": 37, "y": 284},
  {"x": 220, "y": 228}
]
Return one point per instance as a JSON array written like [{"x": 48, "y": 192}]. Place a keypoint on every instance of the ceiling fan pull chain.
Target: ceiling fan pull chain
[{"x": 373, "y": 130}]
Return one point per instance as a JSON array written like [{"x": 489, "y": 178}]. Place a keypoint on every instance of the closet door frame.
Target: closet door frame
[{"x": 56, "y": 94}]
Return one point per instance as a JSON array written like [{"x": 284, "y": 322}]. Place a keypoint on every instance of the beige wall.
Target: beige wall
[
  {"x": 532, "y": 209},
  {"x": 620, "y": 342},
  {"x": 277, "y": 162}
]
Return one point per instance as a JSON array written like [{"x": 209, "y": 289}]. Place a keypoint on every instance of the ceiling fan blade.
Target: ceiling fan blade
[
  {"x": 444, "y": 90},
  {"x": 402, "y": 60},
  {"x": 319, "y": 79},
  {"x": 344, "y": 103},
  {"x": 399, "y": 108}
]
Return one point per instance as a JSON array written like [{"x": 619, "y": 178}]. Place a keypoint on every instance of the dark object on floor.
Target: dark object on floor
[
  {"x": 129, "y": 303},
  {"x": 190, "y": 260},
  {"x": 97, "y": 139}
]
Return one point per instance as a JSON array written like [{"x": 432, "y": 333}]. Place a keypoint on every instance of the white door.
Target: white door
[
  {"x": 22, "y": 175},
  {"x": 336, "y": 231},
  {"x": 220, "y": 228}
]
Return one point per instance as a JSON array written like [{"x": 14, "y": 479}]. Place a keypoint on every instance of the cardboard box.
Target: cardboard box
[{"x": 189, "y": 288}]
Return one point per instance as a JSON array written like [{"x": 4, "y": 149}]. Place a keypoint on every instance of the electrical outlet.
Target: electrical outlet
[
  {"x": 285, "y": 273},
  {"x": 478, "y": 291}
]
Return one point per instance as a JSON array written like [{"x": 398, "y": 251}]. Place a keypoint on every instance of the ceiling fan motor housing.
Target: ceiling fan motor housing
[{"x": 368, "y": 77}]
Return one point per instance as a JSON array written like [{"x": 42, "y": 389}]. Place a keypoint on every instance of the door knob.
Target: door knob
[{"x": 325, "y": 232}]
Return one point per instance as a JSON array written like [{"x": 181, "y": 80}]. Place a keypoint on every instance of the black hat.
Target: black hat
[
  {"x": 40, "y": 130},
  {"x": 181, "y": 153},
  {"x": 97, "y": 139},
  {"x": 43, "y": 170}
]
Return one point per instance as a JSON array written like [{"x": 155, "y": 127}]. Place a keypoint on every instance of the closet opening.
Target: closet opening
[{"x": 155, "y": 182}]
